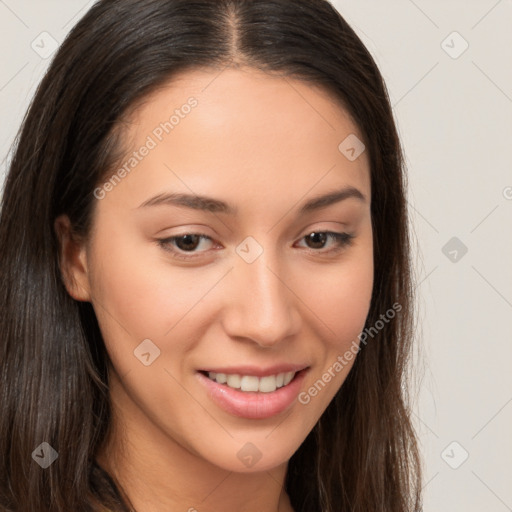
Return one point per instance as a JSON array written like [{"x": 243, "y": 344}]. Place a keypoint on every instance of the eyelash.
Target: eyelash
[{"x": 342, "y": 240}]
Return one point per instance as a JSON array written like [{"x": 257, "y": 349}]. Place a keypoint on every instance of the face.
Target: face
[{"x": 258, "y": 285}]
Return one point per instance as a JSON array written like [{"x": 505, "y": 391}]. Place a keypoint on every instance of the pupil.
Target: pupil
[
  {"x": 322, "y": 236},
  {"x": 188, "y": 238}
]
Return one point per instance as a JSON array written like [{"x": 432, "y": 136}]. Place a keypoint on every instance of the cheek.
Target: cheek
[
  {"x": 136, "y": 294},
  {"x": 341, "y": 298}
]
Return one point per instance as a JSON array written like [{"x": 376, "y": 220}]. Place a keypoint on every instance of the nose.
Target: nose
[{"x": 261, "y": 306}]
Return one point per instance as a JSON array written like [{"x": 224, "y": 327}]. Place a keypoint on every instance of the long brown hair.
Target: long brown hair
[{"x": 362, "y": 455}]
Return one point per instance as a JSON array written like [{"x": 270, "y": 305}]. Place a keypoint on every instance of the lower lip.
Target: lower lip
[{"x": 250, "y": 404}]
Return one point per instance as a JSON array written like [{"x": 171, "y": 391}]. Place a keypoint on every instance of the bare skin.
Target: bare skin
[{"x": 266, "y": 146}]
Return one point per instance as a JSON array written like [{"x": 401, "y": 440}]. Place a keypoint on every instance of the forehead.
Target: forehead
[{"x": 238, "y": 133}]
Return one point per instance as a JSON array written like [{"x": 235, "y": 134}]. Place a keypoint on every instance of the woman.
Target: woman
[{"x": 205, "y": 269}]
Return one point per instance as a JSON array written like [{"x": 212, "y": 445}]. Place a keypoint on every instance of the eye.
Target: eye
[
  {"x": 179, "y": 245},
  {"x": 185, "y": 243},
  {"x": 319, "y": 238}
]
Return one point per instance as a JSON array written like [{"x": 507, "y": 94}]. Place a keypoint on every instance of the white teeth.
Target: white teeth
[
  {"x": 266, "y": 384},
  {"x": 234, "y": 381},
  {"x": 248, "y": 383},
  {"x": 288, "y": 377},
  {"x": 221, "y": 378}
]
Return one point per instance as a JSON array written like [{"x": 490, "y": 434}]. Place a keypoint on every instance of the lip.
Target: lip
[
  {"x": 252, "y": 404},
  {"x": 256, "y": 371}
]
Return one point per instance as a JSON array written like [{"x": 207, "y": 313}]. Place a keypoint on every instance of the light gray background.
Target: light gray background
[{"x": 455, "y": 121}]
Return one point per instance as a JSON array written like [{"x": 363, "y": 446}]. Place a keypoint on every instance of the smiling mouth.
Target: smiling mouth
[
  {"x": 250, "y": 396},
  {"x": 251, "y": 383}
]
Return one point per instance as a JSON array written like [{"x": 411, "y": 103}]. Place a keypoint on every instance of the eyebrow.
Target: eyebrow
[{"x": 210, "y": 204}]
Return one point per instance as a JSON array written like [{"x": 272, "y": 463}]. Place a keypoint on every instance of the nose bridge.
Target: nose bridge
[{"x": 264, "y": 309}]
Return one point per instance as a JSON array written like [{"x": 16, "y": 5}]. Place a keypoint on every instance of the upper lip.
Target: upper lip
[{"x": 255, "y": 370}]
